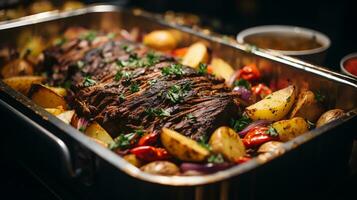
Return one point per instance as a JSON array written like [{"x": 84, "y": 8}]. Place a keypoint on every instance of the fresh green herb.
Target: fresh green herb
[
  {"x": 120, "y": 63},
  {"x": 243, "y": 83},
  {"x": 134, "y": 87},
  {"x": 190, "y": 116},
  {"x": 151, "y": 59},
  {"x": 319, "y": 96},
  {"x": 241, "y": 123},
  {"x": 123, "y": 75},
  {"x": 203, "y": 142},
  {"x": 80, "y": 64},
  {"x": 89, "y": 36},
  {"x": 272, "y": 132},
  {"x": 121, "y": 96},
  {"x": 59, "y": 41},
  {"x": 202, "y": 69},
  {"x": 88, "y": 81},
  {"x": 176, "y": 93},
  {"x": 215, "y": 158},
  {"x": 111, "y": 35},
  {"x": 126, "y": 48},
  {"x": 125, "y": 141},
  {"x": 151, "y": 82},
  {"x": 173, "y": 69},
  {"x": 157, "y": 112},
  {"x": 82, "y": 128}
]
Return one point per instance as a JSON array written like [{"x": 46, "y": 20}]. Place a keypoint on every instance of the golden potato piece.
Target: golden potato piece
[
  {"x": 18, "y": 67},
  {"x": 55, "y": 111},
  {"x": 183, "y": 147},
  {"x": 66, "y": 116},
  {"x": 72, "y": 5},
  {"x": 271, "y": 147},
  {"x": 197, "y": 53},
  {"x": 23, "y": 83},
  {"x": 227, "y": 142},
  {"x": 221, "y": 69},
  {"x": 59, "y": 90},
  {"x": 132, "y": 159},
  {"x": 98, "y": 132},
  {"x": 291, "y": 128},
  {"x": 307, "y": 107},
  {"x": 45, "y": 97},
  {"x": 161, "y": 167},
  {"x": 274, "y": 106},
  {"x": 329, "y": 116},
  {"x": 161, "y": 40}
]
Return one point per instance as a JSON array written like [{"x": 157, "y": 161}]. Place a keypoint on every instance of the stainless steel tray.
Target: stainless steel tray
[{"x": 91, "y": 170}]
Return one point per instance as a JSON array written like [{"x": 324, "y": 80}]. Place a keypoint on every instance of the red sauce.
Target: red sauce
[{"x": 351, "y": 65}]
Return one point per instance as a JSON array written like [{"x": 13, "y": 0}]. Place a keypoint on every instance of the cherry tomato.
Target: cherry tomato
[
  {"x": 257, "y": 136},
  {"x": 149, "y": 139},
  {"x": 261, "y": 90},
  {"x": 249, "y": 73},
  {"x": 242, "y": 159},
  {"x": 150, "y": 153},
  {"x": 179, "y": 52}
]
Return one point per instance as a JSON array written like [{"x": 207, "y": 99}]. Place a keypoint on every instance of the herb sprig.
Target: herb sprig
[
  {"x": 88, "y": 81},
  {"x": 240, "y": 123},
  {"x": 176, "y": 93}
]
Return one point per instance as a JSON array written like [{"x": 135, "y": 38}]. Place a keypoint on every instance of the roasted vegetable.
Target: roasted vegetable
[
  {"x": 66, "y": 116},
  {"x": 307, "y": 107},
  {"x": 18, "y": 67},
  {"x": 150, "y": 153},
  {"x": 221, "y": 69},
  {"x": 45, "y": 97},
  {"x": 274, "y": 106},
  {"x": 23, "y": 83},
  {"x": 227, "y": 142},
  {"x": 271, "y": 147},
  {"x": 258, "y": 136},
  {"x": 72, "y": 5},
  {"x": 291, "y": 128},
  {"x": 162, "y": 40},
  {"x": 329, "y": 116},
  {"x": 96, "y": 131},
  {"x": 182, "y": 147},
  {"x": 59, "y": 90},
  {"x": 132, "y": 159},
  {"x": 55, "y": 111},
  {"x": 149, "y": 139},
  {"x": 161, "y": 168},
  {"x": 197, "y": 53}
]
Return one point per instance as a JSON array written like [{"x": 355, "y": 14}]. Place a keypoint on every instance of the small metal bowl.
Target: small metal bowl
[
  {"x": 342, "y": 64},
  {"x": 316, "y": 55}
]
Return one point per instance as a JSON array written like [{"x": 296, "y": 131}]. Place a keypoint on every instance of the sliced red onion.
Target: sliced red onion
[
  {"x": 243, "y": 132},
  {"x": 82, "y": 124},
  {"x": 244, "y": 93},
  {"x": 204, "y": 168}
]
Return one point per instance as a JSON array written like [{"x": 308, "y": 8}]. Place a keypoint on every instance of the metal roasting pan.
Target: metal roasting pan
[{"x": 65, "y": 158}]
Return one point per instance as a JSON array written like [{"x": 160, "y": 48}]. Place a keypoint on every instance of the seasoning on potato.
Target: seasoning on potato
[{"x": 161, "y": 40}]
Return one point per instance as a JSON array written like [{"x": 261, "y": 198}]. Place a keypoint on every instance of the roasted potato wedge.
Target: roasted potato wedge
[
  {"x": 161, "y": 167},
  {"x": 132, "y": 159},
  {"x": 183, "y": 147},
  {"x": 197, "y": 53},
  {"x": 66, "y": 116},
  {"x": 307, "y": 107},
  {"x": 162, "y": 40},
  {"x": 96, "y": 131},
  {"x": 45, "y": 97},
  {"x": 55, "y": 111},
  {"x": 329, "y": 116},
  {"x": 271, "y": 147},
  {"x": 18, "y": 67},
  {"x": 221, "y": 69},
  {"x": 291, "y": 128},
  {"x": 227, "y": 142},
  {"x": 23, "y": 83},
  {"x": 59, "y": 90},
  {"x": 274, "y": 106}
]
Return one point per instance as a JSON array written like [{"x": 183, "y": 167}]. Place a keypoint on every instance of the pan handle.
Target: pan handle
[{"x": 64, "y": 155}]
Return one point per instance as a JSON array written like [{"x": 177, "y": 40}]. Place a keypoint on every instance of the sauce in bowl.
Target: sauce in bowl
[
  {"x": 283, "y": 41},
  {"x": 351, "y": 65}
]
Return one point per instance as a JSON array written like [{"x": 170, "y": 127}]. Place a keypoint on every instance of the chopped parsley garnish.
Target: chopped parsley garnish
[
  {"x": 319, "y": 96},
  {"x": 134, "y": 87},
  {"x": 203, "y": 142},
  {"x": 151, "y": 59},
  {"x": 242, "y": 83},
  {"x": 89, "y": 36},
  {"x": 240, "y": 123},
  {"x": 202, "y": 69},
  {"x": 121, "y": 96},
  {"x": 191, "y": 117},
  {"x": 173, "y": 69},
  {"x": 176, "y": 93},
  {"x": 157, "y": 112},
  {"x": 215, "y": 158},
  {"x": 59, "y": 41},
  {"x": 125, "y": 141},
  {"x": 120, "y": 63},
  {"x": 82, "y": 128},
  {"x": 272, "y": 132},
  {"x": 88, "y": 81},
  {"x": 111, "y": 35},
  {"x": 153, "y": 81},
  {"x": 123, "y": 75}
]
